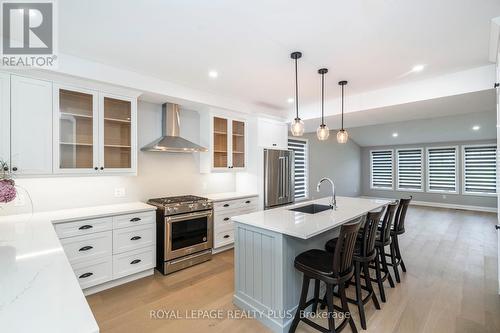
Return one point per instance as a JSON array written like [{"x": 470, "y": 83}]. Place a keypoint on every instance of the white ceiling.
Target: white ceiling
[{"x": 373, "y": 44}]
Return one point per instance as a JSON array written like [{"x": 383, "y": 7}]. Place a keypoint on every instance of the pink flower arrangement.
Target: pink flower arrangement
[{"x": 7, "y": 185}]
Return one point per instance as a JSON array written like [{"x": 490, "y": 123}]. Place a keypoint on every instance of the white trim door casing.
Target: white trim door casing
[{"x": 498, "y": 164}]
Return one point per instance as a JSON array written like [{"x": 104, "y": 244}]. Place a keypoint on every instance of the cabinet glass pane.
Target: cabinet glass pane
[
  {"x": 220, "y": 142},
  {"x": 75, "y": 130},
  {"x": 238, "y": 144},
  {"x": 117, "y": 133}
]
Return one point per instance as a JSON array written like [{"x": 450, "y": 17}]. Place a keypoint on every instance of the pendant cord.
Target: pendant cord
[
  {"x": 296, "y": 91},
  {"x": 342, "y": 107},
  {"x": 322, "y": 99}
]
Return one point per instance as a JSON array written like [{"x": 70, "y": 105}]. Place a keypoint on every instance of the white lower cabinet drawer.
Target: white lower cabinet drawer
[
  {"x": 83, "y": 227},
  {"x": 224, "y": 206},
  {"x": 88, "y": 247},
  {"x": 223, "y": 237},
  {"x": 132, "y": 220},
  {"x": 94, "y": 272},
  {"x": 132, "y": 238},
  {"x": 133, "y": 262}
]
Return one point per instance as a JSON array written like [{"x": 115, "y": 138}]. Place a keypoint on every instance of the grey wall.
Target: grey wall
[
  {"x": 458, "y": 199},
  {"x": 340, "y": 162}
]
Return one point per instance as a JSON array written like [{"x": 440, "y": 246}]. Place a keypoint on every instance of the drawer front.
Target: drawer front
[
  {"x": 94, "y": 272},
  {"x": 133, "y": 262},
  {"x": 132, "y": 220},
  {"x": 88, "y": 247},
  {"x": 83, "y": 227},
  {"x": 132, "y": 238},
  {"x": 222, "y": 219},
  {"x": 224, "y": 237},
  {"x": 223, "y": 206}
]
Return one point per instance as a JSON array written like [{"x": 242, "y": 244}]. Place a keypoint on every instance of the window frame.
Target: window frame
[
  {"x": 457, "y": 171},
  {"x": 307, "y": 167},
  {"x": 392, "y": 170},
  {"x": 422, "y": 168},
  {"x": 463, "y": 191}
]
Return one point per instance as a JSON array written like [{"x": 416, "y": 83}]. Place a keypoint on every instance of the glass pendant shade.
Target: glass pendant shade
[
  {"x": 297, "y": 127},
  {"x": 323, "y": 132},
  {"x": 342, "y": 136}
]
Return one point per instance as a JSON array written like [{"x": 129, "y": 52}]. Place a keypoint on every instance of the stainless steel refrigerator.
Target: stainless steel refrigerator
[{"x": 279, "y": 177}]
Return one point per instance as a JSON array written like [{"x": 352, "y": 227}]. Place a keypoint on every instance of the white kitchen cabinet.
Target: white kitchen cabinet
[
  {"x": 31, "y": 126},
  {"x": 272, "y": 134},
  {"x": 94, "y": 132},
  {"x": 226, "y": 139},
  {"x": 5, "y": 118}
]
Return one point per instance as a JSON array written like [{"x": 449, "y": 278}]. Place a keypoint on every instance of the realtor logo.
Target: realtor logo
[{"x": 28, "y": 34}]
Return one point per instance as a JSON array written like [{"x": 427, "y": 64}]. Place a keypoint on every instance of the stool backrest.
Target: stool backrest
[
  {"x": 344, "y": 250},
  {"x": 369, "y": 233},
  {"x": 385, "y": 230},
  {"x": 399, "y": 220}
]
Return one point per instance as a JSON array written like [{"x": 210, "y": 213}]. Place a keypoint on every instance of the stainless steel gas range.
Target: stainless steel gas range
[{"x": 184, "y": 231}]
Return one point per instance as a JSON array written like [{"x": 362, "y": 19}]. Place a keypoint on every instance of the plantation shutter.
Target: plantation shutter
[
  {"x": 381, "y": 169},
  {"x": 409, "y": 163},
  {"x": 301, "y": 167},
  {"x": 442, "y": 169},
  {"x": 480, "y": 169}
]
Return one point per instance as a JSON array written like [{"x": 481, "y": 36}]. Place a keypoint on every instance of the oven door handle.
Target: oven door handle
[{"x": 183, "y": 217}]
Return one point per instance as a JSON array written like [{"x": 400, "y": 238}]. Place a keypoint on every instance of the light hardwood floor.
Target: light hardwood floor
[{"x": 450, "y": 286}]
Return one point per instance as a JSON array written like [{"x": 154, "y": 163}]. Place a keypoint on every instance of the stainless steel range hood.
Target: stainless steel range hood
[{"x": 170, "y": 141}]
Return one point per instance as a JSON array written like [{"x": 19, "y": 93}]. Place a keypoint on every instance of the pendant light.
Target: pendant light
[
  {"x": 323, "y": 131},
  {"x": 297, "y": 127},
  {"x": 342, "y": 135}
]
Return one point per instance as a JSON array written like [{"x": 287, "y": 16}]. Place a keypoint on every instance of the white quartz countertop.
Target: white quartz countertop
[
  {"x": 302, "y": 225},
  {"x": 38, "y": 289},
  {"x": 229, "y": 196}
]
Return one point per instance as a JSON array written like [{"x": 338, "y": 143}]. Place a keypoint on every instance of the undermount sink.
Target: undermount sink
[{"x": 311, "y": 209}]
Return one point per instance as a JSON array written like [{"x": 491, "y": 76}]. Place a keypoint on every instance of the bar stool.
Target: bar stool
[
  {"x": 398, "y": 229},
  {"x": 384, "y": 239},
  {"x": 334, "y": 269},
  {"x": 364, "y": 254}
]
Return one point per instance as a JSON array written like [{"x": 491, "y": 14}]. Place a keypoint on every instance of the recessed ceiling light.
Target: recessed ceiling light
[
  {"x": 213, "y": 74},
  {"x": 290, "y": 100},
  {"x": 395, "y": 135},
  {"x": 476, "y": 128},
  {"x": 417, "y": 68}
]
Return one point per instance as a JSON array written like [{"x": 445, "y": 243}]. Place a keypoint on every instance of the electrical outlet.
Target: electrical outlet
[{"x": 120, "y": 192}]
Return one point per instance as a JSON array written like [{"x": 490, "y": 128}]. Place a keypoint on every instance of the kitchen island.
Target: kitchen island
[{"x": 267, "y": 285}]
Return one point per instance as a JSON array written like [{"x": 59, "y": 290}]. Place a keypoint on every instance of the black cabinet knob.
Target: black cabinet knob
[
  {"x": 226, "y": 236},
  {"x": 96, "y": 168},
  {"x": 136, "y": 261},
  {"x": 5, "y": 168},
  {"x": 497, "y": 226},
  {"x": 14, "y": 169},
  {"x": 84, "y": 227},
  {"x": 226, "y": 219},
  {"x": 85, "y": 275},
  {"x": 274, "y": 145},
  {"x": 102, "y": 168},
  {"x": 135, "y": 238},
  {"x": 248, "y": 201},
  {"x": 226, "y": 205}
]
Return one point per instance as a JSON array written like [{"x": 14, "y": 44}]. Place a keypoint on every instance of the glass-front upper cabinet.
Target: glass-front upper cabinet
[
  {"x": 220, "y": 148},
  {"x": 76, "y": 124},
  {"x": 238, "y": 144}
]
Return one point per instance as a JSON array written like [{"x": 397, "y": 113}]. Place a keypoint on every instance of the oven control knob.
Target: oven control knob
[
  {"x": 191, "y": 206},
  {"x": 169, "y": 209},
  {"x": 176, "y": 209},
  {"x": 204, "y": 204}
]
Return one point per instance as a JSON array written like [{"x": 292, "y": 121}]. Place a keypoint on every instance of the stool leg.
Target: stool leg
[
  {"x": 395, "y": 263},
  {"x": 302, "y": 303},
  {"x": 369, "y": 286},
  {"x": 329, "y": 302},
  {"x": 379, "y": 276},
  {"x": 398, "y": 252},
  {"x": 385, "y": 267},
  {"x": 345, "y": 308},
  {"x": 316, "y": 296},
  {"x": 359, "y": 297}
]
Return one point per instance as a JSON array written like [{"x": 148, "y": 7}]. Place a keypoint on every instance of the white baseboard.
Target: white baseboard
[
  {"x": 117, "y": 282},
  {"x": 223, "y": 248},
  {"x": 446, "y": 205}
]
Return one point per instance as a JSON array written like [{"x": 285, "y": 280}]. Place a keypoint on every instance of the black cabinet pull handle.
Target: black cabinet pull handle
[
  {"x": 226, "y": 236},
  {"x": 84, "y": 227},
  {"x": 248, "y": 201},
  {"x": 86, "y": 248},
  {"x": 136, "y": 261},
  {"x": 135, "y": 219},
  {"x": 136, "y": 238},
  {"x": 226, "y": 219},
  {"x": 85, "y": 275},
  {"x": 14, "y": 169},
  {"x": 497, "y": 226},
  {"x": 226, "y": 205}
]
